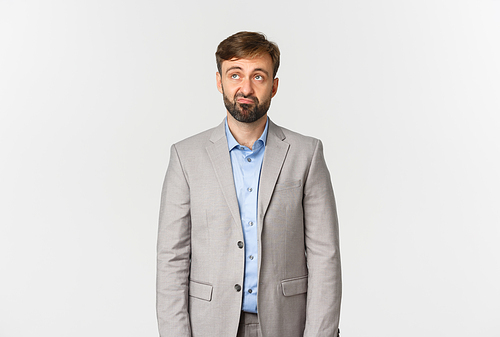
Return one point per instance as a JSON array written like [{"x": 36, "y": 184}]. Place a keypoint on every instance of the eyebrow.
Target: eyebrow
[
  {"x": 239, "y": 68},
  {"x": 232, "y": 68},
  {"x": 263, "y": 70}
]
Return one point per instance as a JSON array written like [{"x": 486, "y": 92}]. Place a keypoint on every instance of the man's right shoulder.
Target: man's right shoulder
[{"x": 197, "y": 141}]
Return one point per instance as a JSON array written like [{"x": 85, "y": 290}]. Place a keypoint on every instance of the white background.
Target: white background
[{"x": 404, "y": 94}]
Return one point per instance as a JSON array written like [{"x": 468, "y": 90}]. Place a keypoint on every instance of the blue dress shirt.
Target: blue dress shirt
[{"x": 246, "y": 165}]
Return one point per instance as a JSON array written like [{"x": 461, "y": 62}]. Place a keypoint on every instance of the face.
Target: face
[{"x": 247, "y": 86}]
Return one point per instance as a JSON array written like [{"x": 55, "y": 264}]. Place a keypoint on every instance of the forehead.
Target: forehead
[{"x": 249, "y": 64}]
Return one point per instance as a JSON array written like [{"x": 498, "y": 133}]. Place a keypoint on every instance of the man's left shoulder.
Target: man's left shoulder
[{"x": 296, "y": 139}]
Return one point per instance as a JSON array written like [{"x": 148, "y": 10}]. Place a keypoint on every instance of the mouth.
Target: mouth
[{"x": 245, "y": 101}]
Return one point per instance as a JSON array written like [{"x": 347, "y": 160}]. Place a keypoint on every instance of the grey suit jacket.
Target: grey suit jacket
[{"x": 200, "y": 261}]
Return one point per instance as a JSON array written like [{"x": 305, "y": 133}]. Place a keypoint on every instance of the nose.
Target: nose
[{"x": 246, "y": 87}]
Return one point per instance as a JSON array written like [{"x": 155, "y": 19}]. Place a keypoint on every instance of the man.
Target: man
[{"x": 248, "y": 236}]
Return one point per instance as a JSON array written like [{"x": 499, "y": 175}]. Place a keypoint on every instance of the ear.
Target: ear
[
  {"x": 219, "y": 82},
  {"x": 275, "y": 87}
]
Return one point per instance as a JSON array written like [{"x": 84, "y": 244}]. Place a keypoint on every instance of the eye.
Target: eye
[
  {"x": 235, "y": 76},
  {"x": 259, "y": 77}
]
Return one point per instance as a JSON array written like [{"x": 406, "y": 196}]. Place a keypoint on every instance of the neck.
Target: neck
[{"x": 246, "y": 133}]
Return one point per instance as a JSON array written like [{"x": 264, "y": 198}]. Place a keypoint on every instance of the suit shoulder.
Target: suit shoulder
[
  {"x": 196, "y": 141},
  {"x": 295, "y": 138}
]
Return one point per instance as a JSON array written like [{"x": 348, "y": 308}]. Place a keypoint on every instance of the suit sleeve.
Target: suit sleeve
[
  {"x": 173, "y": 252},
  {"x": 322, "y": 251}
]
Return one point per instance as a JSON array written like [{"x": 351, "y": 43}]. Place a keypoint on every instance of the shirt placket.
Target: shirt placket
[{"x": 249, "y": 221}]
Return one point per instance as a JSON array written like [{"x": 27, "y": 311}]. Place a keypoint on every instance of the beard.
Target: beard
[{"x": 246, "y": 113}]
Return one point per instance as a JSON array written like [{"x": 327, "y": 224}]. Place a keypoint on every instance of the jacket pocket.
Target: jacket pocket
[
  {"x": 200, "y": 290},
  {"x": 294, "y": 286},
  {"x": 288, "y": 184}
]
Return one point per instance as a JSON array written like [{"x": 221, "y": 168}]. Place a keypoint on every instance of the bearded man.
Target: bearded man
[{"x": 248, "y": 240}]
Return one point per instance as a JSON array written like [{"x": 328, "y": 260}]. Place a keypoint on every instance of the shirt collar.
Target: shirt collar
[{"x": 232, "y": 143}]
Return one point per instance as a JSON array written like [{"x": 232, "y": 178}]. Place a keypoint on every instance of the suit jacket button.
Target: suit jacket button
[
  {"x": 237, "y": 287},
  {"x": 240, "y": 244}
]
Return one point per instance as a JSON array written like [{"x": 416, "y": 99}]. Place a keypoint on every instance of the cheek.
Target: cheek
[
  {"x": 267, "y": 93},
  {"x": 228, "y": 95},
  {"x": 228, "y": 89}
]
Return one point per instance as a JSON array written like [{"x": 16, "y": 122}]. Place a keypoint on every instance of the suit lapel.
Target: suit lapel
[
  {"x": 274, "y": 157},
  {"x": 219, "y": 156}
]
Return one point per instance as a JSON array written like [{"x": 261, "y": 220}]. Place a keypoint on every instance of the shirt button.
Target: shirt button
[
  {"x": 249, "y": 189},
  {"x": 249, "y": 159},
  {"x": 251, "y": 257},
  {"x": 250, "y": 223},
  {"x": 250, "y": 291},
  {"x": 242, "y": 148},
  {"x": 237, "y": 287},
  {"x": 240, "y": 244}
]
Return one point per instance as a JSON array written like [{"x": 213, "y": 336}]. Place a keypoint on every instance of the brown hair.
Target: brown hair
[{"x": 247, "y": 45}]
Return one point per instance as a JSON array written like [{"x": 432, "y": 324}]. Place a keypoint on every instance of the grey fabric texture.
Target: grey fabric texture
[{"x": 200, "y": 264}]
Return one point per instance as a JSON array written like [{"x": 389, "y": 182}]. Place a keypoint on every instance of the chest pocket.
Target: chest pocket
[{"x": 286, "y": 185}]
